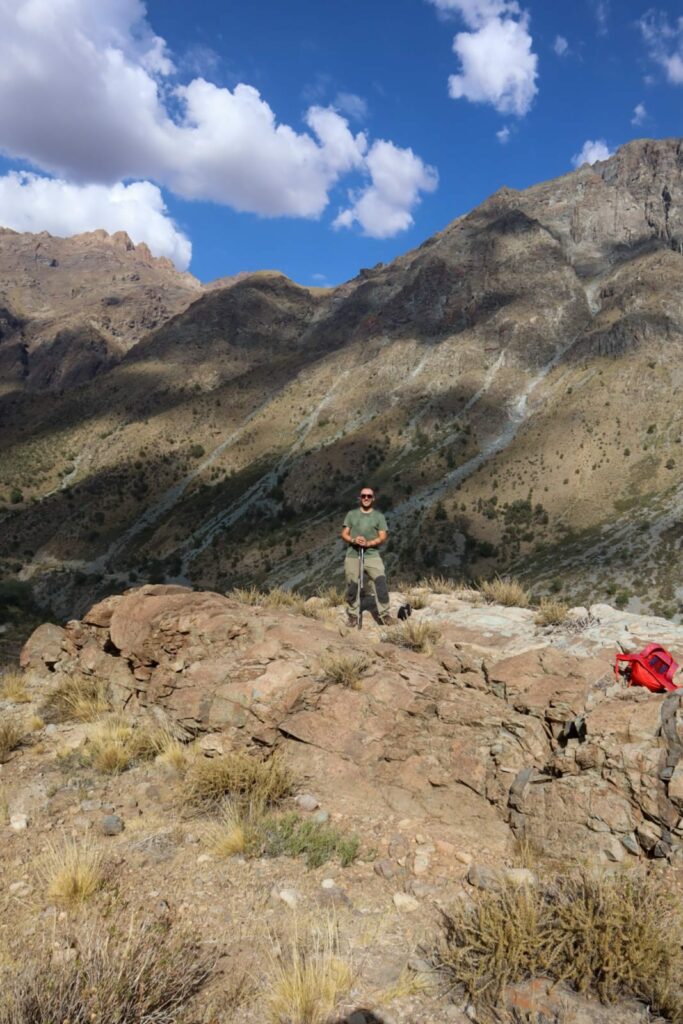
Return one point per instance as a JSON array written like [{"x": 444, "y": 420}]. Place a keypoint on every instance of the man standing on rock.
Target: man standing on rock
[{"x": 366, "y": 528}]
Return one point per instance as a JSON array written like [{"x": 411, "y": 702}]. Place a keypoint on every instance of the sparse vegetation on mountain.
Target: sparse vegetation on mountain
[
  {"x": 551, "y": 612},
  {"x": 343, "y": 669},
  {"x": 125, "y": 972},
  {"x": 242, "y": 777},
  {"x": 76, "y": 698},
  {"x": 308, "y": 977},
  {"x": 616, "y": 935},
  {"x": 11, "y": 735},
  {"x": 502, "y": 590},
  {"x": 416, "y": 635},
  {"x": 73, "y": 870}
]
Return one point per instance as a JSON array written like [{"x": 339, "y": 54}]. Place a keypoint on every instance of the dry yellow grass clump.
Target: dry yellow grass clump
[
  {"x": 11, "y": 735},
  {"x": 617, "y": 935},
  {"x": 502, "y": 590},
  {"x": 551, "y": 612},
  {"x": 343, "y": 669},
  {"x": 416, "y": 635},
  {"x": 247, "y": 595},
  {"x": 136, "y": 970},
  {"x": 76, "y": 698},
  {"x": 116, "y": 742},
  {"x": 73, "y": 870},
  {"x": 309, "y": 979},
  {"x": 439, "y": 584},
  {"x": 210, "y": 780},
  {"x": 233, "y": 831},
  {"x": 13, "y": 687},
  {"x": 332, "y": 596}
]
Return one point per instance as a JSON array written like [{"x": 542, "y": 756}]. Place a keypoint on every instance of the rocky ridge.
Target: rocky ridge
[
  {"x": 71, "y": 307},
  {"x": 504, "y": 731}
]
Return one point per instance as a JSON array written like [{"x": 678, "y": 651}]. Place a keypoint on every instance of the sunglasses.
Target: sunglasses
[{"x": 367, "y": 495}]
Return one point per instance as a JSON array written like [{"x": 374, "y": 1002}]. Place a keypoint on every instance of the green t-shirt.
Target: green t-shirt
[{"x": 366, "y": 524}]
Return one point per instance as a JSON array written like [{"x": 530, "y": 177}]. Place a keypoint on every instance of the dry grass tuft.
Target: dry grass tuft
[
  {"x": 233, "y": 831},
  {"x": 11, "y": 736},
  {"x": 116, "y": 742},
  {"x": 416, "y": 636},
  {"x": 236, "y": 776},
  {"x": 247, "y": 595},
  {"x": 77, "y": 698},
  {"x": 343, "y": 669},
  {"x": 309, "y": 979},
  {"x": 506, "y": 591},
  {"x": 418, "y": 598},
  {"x": 177, "y": 754},
  {"x": 333, "y": 597},
  {"x": 287, "y": 600},
  {"x": 140, "y": 971},
  {"x": 439, "y": 584},
  {"x": 407, "y": 984},
  {"x": 73, "y": 871},
  {"x": 13, "y": 687},
  {"x": 616, "y": 935},
  {"x": 551, "y": 612}
]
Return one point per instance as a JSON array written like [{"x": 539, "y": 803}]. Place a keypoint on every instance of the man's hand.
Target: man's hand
[{"x": 360, "y": 542}]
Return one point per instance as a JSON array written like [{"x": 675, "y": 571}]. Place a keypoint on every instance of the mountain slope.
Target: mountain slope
[
  {"x": 510, "y": 387},
  {"x": 70, "y": 307}
]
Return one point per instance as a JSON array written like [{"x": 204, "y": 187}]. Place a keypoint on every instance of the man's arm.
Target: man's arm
[
  {"x": 381, "y": 537},
  {"x": 346, "y": 536}
]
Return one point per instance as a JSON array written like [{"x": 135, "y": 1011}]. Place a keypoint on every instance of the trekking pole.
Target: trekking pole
[{"x": 361, "y": 569}]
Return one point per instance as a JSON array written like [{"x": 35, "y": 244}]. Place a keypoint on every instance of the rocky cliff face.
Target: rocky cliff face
[
  {"x": 510, "y": 387},
  {"x": 71, "y": 307}
]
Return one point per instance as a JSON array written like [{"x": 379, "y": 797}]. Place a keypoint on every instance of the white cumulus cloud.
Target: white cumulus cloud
[
  {"x": 560, "y": 46},
  {"x": 665, "y": 43},
  {"x": 639, "y": 114},
  {"x": 89, "y": 93},
  {"x": 31, "y": 202},
  {"x": 591, "y": 152},
  {"x": 503, "y": 135},
  {"x": 397, "y": 176},
  {"x": 497, "y": 63}
]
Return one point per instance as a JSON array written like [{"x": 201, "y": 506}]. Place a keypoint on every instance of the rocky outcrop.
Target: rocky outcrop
[
  {"x": 71, "y": 307},
  {"x": 505, "y": 730}
]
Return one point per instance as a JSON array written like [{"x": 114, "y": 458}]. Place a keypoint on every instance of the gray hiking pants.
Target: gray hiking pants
[{"x": 375, "y": 581}]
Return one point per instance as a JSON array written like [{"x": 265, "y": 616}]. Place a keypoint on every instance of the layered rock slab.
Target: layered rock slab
[{"x": 482, "y": 743}]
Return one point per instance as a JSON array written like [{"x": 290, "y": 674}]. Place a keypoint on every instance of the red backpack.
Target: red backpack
[{"x": 652, "y": 667}]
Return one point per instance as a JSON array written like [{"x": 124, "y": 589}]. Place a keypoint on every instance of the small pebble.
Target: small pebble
[
  {"x": 384, "y": 868},
  {"x": 290, "y": 897},
  {"x": 18, "y": 822},
  {"x": 328, "y": 883},
  {"x": 403, "y": 901},
  {"x": 420, "y": 966},
  {"x": 320, "y": 817},
  {"x": 19, "y": 889},
  {"x": 306, "y": 802},
  {"x": 111, "y": 825}
]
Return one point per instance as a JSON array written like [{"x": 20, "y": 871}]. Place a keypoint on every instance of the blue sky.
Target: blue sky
[{"x": 313, "y": 138}]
